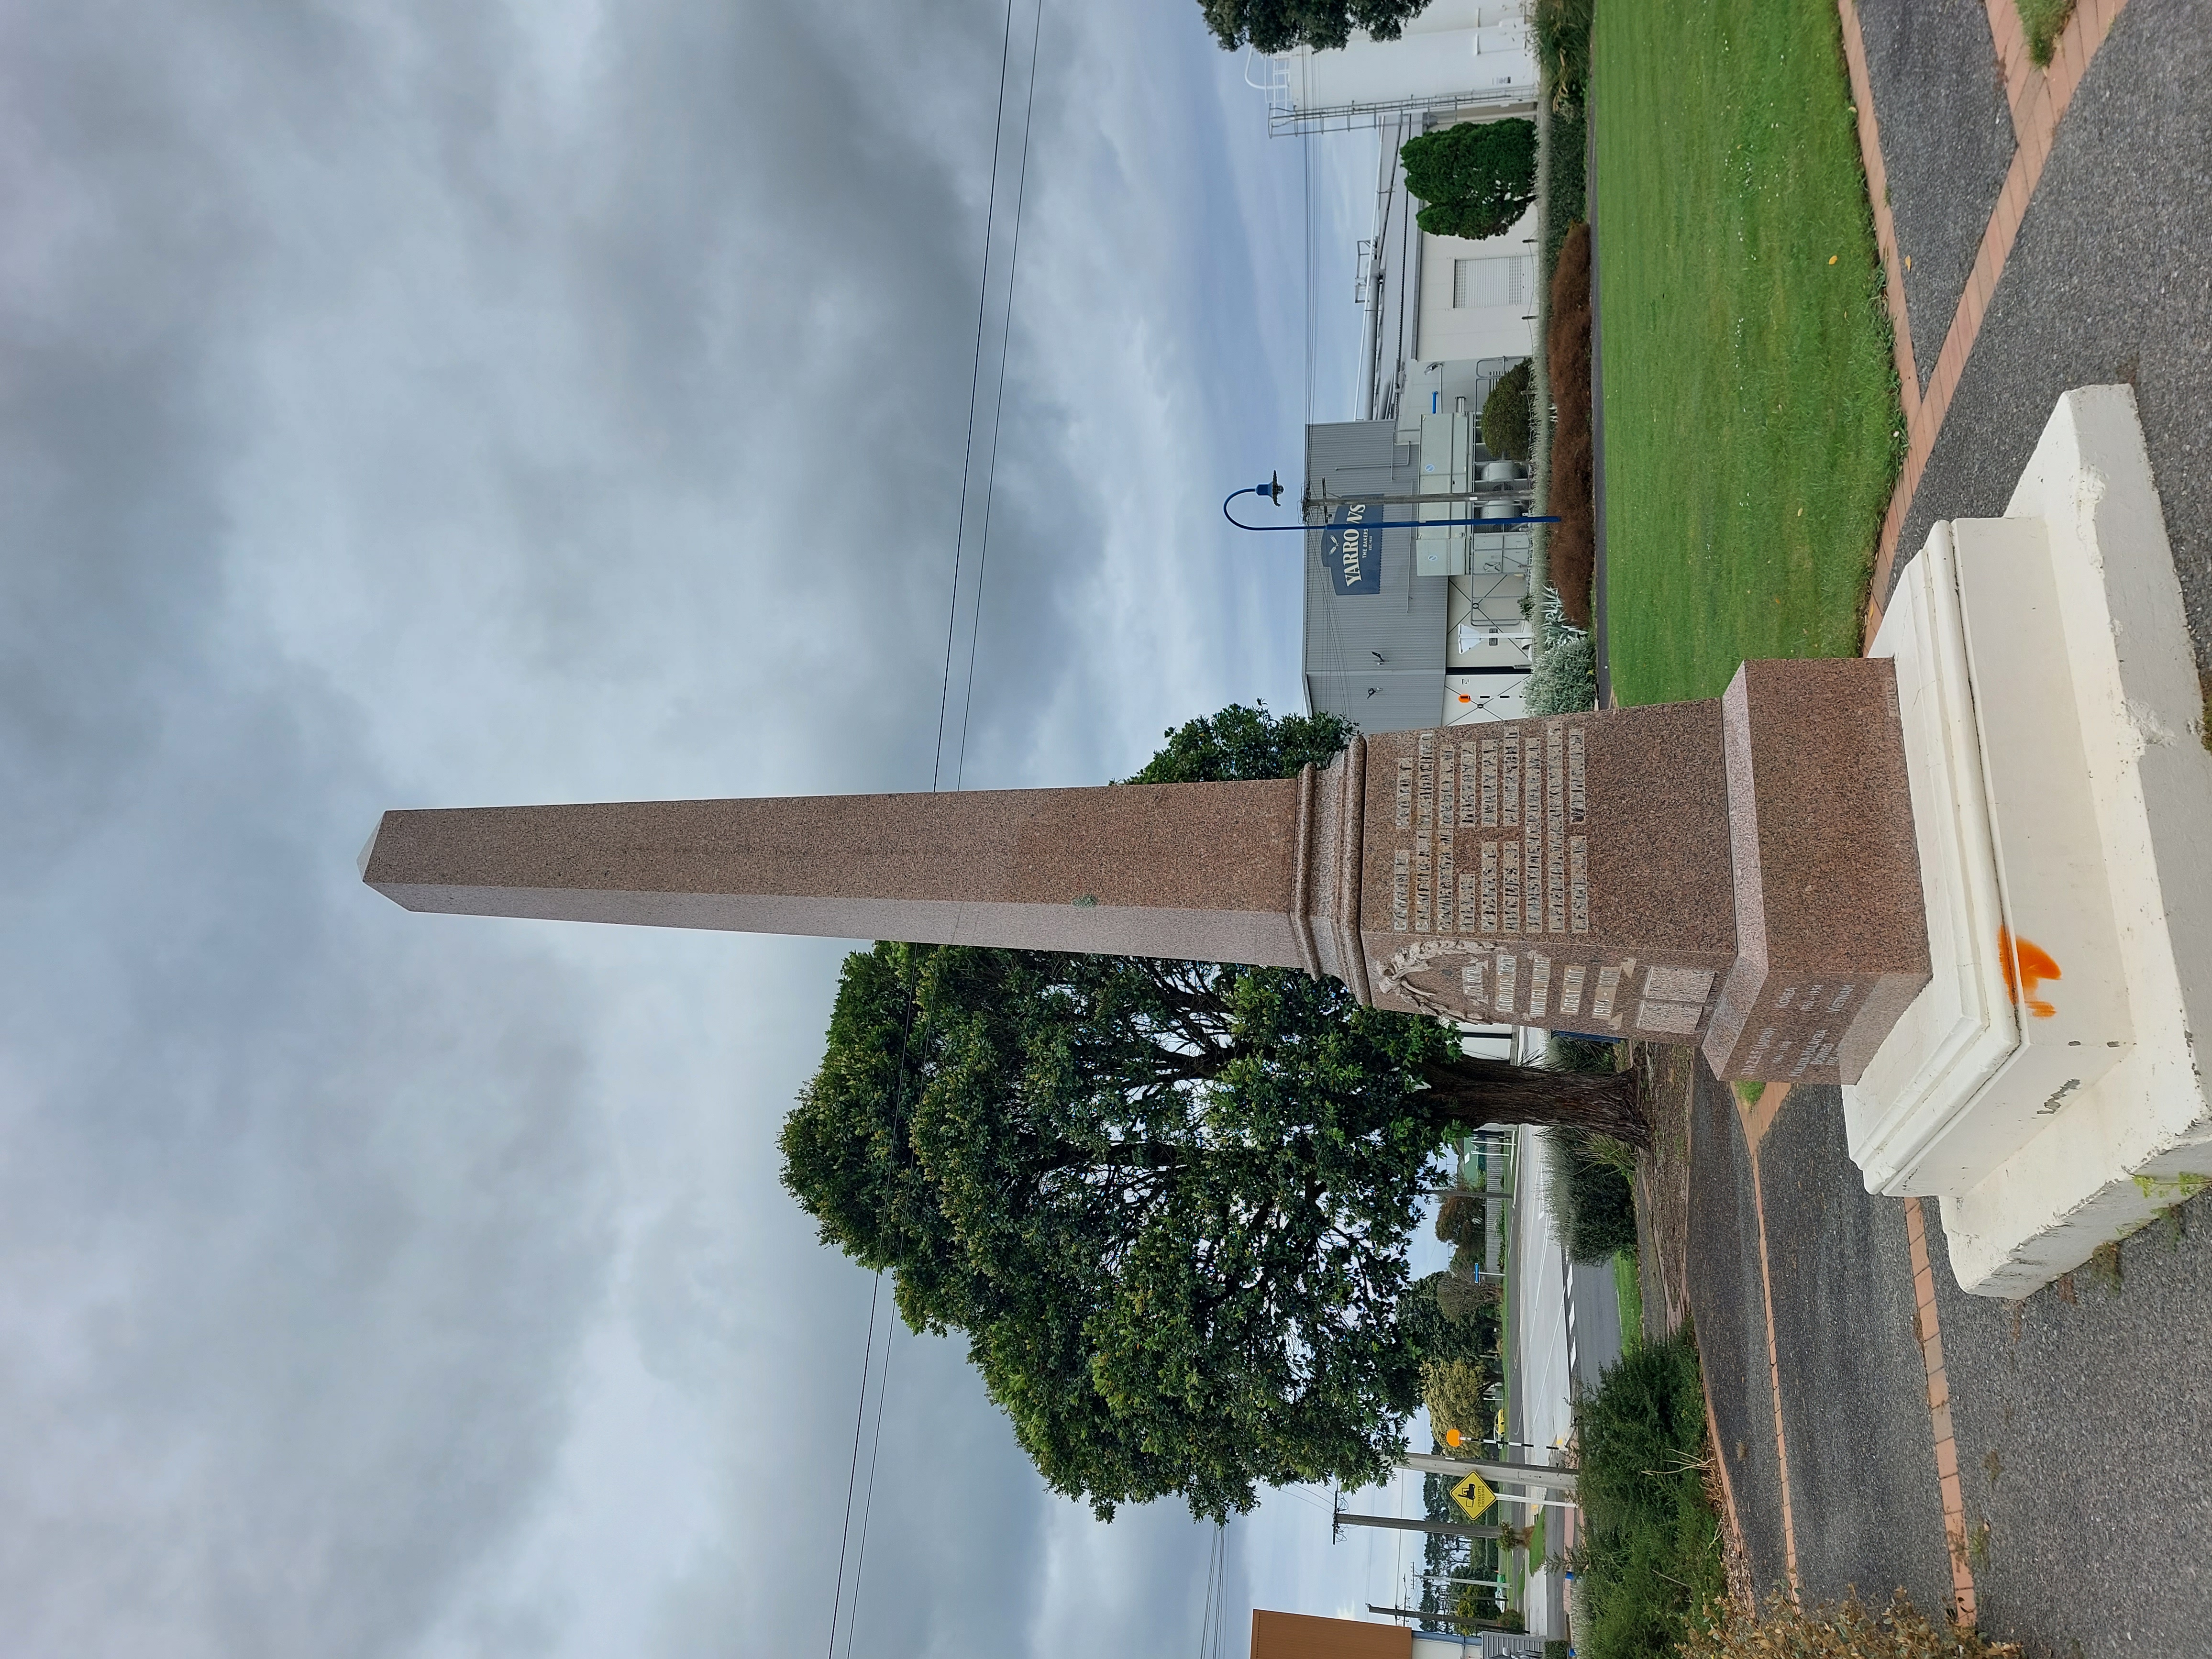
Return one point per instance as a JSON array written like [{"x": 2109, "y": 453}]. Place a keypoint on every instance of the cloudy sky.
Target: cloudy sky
[{"x": 454, "y": 403}]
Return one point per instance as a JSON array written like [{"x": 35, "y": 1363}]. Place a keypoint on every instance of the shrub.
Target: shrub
[
  {"x": 1847, "y": 1630},
  {"x": 1464, "y": 1301},
  {"x": 1572, "y": 544},
  {"x": 1477, "y": 178},
  {"x": 1452, "y": 1390},
  {"x": 1437, "y": 1331},
  {"x": 1565, "y": 681},
  {"x": 1562, "y": 28},
  {"x": 1509, "y": 415},
  {"x": 1650, "y": 1556},
  {"x": 1459, "y": 1220},
  {"x": 1591, "y": 1194},
  {"x": 1589, "y": 1055}
]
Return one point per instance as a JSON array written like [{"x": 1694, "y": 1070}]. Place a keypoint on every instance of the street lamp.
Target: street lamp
[{"x": 1272, "y": 490}]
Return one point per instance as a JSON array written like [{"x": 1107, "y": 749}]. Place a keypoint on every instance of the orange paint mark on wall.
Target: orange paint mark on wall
[{"x": 2026, "y": 965}]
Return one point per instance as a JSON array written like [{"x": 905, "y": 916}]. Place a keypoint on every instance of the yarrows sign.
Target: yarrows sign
[{"x": 1352, "y": 552}]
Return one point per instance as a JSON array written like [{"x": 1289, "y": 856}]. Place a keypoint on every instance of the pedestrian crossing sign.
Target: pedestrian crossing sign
[{"x": 1474, "y": 1495}]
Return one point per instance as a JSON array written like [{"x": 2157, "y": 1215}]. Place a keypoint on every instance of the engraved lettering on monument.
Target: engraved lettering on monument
[
  {"x": 1489, "y": 783},
  {"x": 1577, "y": 802},
  {"x": 1579, "y": 882},
  {"x": 1405, "y": 819},
  {"x": 1609, "y": 983},
  {"x": 1401, "y": 882},
  {"x": 1555, "y": 817},
  {"x": 1447, "y": 791},
  {"x": 1510, "y": 886},
  {"x": 1570, "y": 989},
  {"x": 1489, "y": 887},
  {"x": 1532, "y": 831},
  {"x": 1425, "y": 805},
  {"x": 1539, "y": 985},
  {"x": 1470, "y": 983},
  {"x": 1446, "y": 876},
  {"x": 1422, "y": 881},
  {"x": 1508, "y": 971},
  {"x": 1509, "y": 783}
]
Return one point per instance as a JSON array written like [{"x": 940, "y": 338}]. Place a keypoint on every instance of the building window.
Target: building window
[{"x": 1494, "y": 282}]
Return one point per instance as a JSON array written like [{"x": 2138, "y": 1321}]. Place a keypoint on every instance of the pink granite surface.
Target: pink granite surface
[
  {"x": 1739, "y": 872},
  {"x": 1833, "y": 942},
  {"x": 1185, "y": 870},
  {"x": 1585, "y": 858}
]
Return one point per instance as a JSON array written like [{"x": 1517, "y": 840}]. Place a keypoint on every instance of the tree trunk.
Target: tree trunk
[{"x": 1478, "y": 1091}]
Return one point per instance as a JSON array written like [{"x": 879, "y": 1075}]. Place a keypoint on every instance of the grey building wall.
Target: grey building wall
[
  {"x": 1393, "y": 276},
  {"x": 1375, "y": 658}
]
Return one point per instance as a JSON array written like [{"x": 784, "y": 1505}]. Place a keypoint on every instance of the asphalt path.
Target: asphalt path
[
  {"x": 1594, "y": 1314},
  {"x": 2107, "y": 282},
  {"x": 1728, "y": 1314},
  {"x": 1939, "y": 100},
  {"x": 1853, "y": 1385}
]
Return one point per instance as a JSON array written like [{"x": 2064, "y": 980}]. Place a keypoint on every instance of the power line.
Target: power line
[
  {"x": 943, "y": 703},
  {"x": 868, "y": 1505},
  {"x": 974, "y": 383},
  {"x": 859, "y": 1413},
  {"x": 998, "y": 403}
]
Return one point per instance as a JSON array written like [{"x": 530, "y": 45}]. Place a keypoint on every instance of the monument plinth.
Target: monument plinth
[
  {"x": 1679, "y": 872},
  {"x": 1727, "y": 872},
  {"x": 1969, "y": 878}
]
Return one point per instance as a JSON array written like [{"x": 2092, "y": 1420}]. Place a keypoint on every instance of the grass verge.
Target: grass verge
[
  {"x": 1628, "y": 1291},
  {"x": 2044, "y": 22},
  {"x": 1752, "y": 430},
  {"x": 1650, "y": 1558}
]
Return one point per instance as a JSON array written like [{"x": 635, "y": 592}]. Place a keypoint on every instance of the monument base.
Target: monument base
[{"x": 2044, "y": 1085}]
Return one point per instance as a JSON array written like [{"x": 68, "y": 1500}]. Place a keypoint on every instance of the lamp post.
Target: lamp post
[{"x": 1272, "y": 490}]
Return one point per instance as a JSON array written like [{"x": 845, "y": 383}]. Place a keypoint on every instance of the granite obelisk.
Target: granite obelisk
[{"x": 1740, "y": 871}]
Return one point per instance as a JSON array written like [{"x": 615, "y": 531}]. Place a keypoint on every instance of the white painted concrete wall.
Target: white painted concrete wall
[
  {"x": 1454, "y": 47},
  {"x": 1446, "y": 331}
]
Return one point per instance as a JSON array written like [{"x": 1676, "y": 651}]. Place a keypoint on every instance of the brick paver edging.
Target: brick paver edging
[
  {"x": 2039, "y": 98},
  {"x": 1930, "y": 1336}
]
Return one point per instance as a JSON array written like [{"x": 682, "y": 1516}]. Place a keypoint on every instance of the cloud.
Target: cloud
[{"x": 428, "y": 404}]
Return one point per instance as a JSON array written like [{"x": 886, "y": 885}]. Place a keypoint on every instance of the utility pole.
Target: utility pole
[
  {"x": 1526, "y": 1474},
  {"x": 1447, "y": 1528}
]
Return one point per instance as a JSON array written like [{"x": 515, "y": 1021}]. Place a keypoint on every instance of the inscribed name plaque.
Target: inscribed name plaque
[
  {"x": 1737, "y": 874},
  {"x": 1570, "y": 871}
]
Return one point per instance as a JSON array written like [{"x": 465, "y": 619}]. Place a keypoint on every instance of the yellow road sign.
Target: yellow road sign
[{"x": 1474, "y": 1495}]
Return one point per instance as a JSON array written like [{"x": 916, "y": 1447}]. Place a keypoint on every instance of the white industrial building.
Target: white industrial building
[
  {"x": 1455, "y": 56},
  {"x": 1436, "y": 631}
]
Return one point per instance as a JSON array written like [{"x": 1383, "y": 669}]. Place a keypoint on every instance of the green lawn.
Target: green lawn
[
  {"x": 1752, "y": 428},
  {"x": 1628, "y": 1289}
]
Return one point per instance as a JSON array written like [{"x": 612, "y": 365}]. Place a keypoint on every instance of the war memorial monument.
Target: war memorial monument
[{"x": 1967, "y": 877}]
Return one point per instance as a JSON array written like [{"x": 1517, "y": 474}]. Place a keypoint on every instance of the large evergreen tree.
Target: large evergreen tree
[
  {"x": 1477, "y": 178},
  {"x": 1280, "y": 25},
  {"x": 1168, "y": 1202}
]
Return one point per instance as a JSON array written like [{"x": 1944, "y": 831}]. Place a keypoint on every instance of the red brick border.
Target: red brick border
[
  {"x": 1939, "y": 1412},
  {"x": 1774, "y": 1375},
  {"x": 2039, "y": 98}
]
